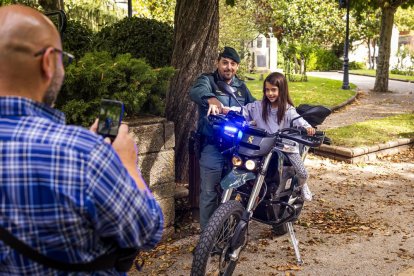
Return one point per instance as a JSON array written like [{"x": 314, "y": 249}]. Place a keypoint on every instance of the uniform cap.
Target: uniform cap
[{"x": 230, "y": 53}]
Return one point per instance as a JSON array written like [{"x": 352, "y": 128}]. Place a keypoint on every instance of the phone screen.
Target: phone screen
[{"x": 110, "y": 117}]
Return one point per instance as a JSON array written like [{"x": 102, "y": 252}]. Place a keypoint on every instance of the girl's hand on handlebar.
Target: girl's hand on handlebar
[{"x": 310, "y": 130}]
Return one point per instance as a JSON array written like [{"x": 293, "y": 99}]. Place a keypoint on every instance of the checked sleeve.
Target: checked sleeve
[{"x": 118, "y": 209}]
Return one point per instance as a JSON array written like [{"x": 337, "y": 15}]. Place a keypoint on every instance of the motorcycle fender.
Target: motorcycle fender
[
  {"x": 236, "y": 178},
  {"x": 239, "y": 237}
]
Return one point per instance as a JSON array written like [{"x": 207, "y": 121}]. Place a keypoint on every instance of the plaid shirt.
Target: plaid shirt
[{"x": 63, "y": 191}]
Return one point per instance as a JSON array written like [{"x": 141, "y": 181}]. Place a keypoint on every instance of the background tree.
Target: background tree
[
  {"x": 161, "y": 10},
  {"x": 301, "y": 27},
  {"x": 196, "y": 32},
  {"x": 236, "y": 25},
  {"x": 368, "y": 26},
  {"x": 51, "y": 5},
  {"x": 94, "y": 14},
  {"x": 388, "y": 9},
  {"x": 404, "y": 19}
]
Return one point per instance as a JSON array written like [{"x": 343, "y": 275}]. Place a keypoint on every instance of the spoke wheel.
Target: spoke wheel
[{"x": 211, "y": 256}]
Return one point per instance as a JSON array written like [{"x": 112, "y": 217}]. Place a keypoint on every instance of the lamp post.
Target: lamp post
[
  {"x": 129, "y": 8},
  {"x": 345, "y": 83}
]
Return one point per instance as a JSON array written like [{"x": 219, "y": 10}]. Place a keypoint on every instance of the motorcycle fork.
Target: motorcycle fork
[
  {"x": 227, "y": 195},
  {"x": 239, "y": 238}
]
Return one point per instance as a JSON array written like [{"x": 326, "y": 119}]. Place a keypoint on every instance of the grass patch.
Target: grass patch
[
  {"x": 372, "y": 73},
  {"x": 315, "y": 91},
  {"x": 373, "y": 131}
]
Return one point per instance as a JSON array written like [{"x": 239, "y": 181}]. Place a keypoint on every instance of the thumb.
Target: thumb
[{"x": 123, "y": 129}]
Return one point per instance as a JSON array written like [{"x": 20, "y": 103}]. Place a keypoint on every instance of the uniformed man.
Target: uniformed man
[{"x": 210, "y": 99}]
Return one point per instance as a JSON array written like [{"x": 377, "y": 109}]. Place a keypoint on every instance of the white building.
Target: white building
[
  {"x": 263, "y": 51},
  {"x": 359, "y": 52}
]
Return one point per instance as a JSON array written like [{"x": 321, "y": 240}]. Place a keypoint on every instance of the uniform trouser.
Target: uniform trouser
[
  {"x": 297, "y": 163},
  {"x": 211, "y": 168}
]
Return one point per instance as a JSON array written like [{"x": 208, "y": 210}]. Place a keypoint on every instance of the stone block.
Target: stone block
[
  {"x": 343, "y": 151},
  {"x": 169, "y": 135},
  {"x": 327, "y": 148},
  {"x": 164, "y": 190},
  {"x": 144, "y": 120},
  {"x": 357, "y": 151},
  {"x": 157, "y": 168},
  {"x": 167, "y": 233},
  {"x": 149, "y": 138},
  {"x": 383, "y": 146},
  {"x": 168, "y": 210},
  {"x": 374, "y": 148},
  {"x": 392, "y": 144}
]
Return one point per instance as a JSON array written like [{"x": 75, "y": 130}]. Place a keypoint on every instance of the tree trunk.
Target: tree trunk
[
  {"x": 374, "y": 59},
  {"x": 51, "y": 5},
  {"x": 195, "y": 50},
  {"x": 381, "y": 79},
  {"x": 369, "y": 54}
]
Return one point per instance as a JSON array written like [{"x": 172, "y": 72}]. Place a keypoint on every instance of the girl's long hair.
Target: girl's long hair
[{"x": 278, "y": 80}]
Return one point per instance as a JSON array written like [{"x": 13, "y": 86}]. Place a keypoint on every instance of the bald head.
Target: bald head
[{"x": 24, "y": 32}]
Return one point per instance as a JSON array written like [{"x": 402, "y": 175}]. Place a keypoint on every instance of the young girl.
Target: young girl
[{"x": 275, "y": 111}]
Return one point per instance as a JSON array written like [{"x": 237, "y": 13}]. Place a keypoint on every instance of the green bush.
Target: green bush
[
  {"x": 97, "y": 75},
  {"x": 155, "y": 103},
  {"x": 354, "y": 65},
  {"x": 77, "y": 39},
  {"x": 408, "y": 72},
  {"x": 324, "y": 60},
  {"x": 142, "y": 37}
]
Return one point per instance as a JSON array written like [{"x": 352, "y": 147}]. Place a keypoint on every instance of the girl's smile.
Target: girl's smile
[{"x": 272, "y": 93}]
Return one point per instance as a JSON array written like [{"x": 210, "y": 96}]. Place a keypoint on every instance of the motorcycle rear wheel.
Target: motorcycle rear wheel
[{"x": 211, "y": 256}]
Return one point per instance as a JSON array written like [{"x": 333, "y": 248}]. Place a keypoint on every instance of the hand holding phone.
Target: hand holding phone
[{"x": 110, "y": 116}]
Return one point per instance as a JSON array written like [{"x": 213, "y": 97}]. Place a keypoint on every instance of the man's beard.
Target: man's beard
[
  {"x": 225, "y": 78},
  {"x": 53, "y": 90}
]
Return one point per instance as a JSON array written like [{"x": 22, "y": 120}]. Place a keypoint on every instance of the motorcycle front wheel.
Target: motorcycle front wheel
[{"x": 211, "y": 256}]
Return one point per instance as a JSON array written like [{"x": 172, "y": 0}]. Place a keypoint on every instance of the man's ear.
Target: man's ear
[{"x": 48, "y": 64}]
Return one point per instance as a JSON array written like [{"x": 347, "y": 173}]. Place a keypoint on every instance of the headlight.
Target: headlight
[
  {"x": 230, "y": 130},
  {"x": 236, "y": 161},
  {"x": 250, "y": 165}
]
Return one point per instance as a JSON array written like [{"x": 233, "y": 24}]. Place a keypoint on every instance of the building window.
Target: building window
[
  {"x": 267, "y": 42},
  {"x": 259, "y": 42},
  {"x": 261, "y": 61}
]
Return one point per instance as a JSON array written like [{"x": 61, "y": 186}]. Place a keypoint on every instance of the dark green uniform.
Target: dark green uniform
[{"x": 211, "y": 160}]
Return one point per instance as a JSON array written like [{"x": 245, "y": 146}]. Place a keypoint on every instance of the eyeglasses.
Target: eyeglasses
[{"x": 66, "y": 57}]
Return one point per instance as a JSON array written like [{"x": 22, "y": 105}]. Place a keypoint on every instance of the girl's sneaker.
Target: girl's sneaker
[{"x": 306, "y": 193}]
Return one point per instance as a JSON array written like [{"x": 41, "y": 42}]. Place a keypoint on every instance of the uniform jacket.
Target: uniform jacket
[{"x": 202, "y": 90}]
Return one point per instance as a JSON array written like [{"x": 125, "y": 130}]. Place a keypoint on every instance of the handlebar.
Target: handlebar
[
  {"x": 296, "y": 134},
  {"x": 300, "y": 135}
]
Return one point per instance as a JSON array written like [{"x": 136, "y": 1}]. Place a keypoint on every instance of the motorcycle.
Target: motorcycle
[{"x": 261, "y": 186}]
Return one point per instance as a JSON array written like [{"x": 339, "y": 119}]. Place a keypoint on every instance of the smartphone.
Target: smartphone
[{"x": 110, "y": 116}]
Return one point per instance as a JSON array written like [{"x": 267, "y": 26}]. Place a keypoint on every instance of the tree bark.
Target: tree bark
[
  {"x": 381, "y": 79},
  {"x": 374, "y": 59},
  {"x": 51, "y": 5},
  {"x": 369, "y": 54},
  {"x": 195, "y": 50}
]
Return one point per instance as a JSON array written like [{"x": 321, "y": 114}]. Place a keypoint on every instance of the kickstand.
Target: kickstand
[{"x": 295, "y": 242}]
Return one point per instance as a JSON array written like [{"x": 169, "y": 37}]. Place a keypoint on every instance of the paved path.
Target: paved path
[
  {"x": 367, "y": 83},
  {"x": 370, "y": 105}
]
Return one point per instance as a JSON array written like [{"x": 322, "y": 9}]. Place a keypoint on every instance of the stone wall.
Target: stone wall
[{"x": 155, "y": 139}]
